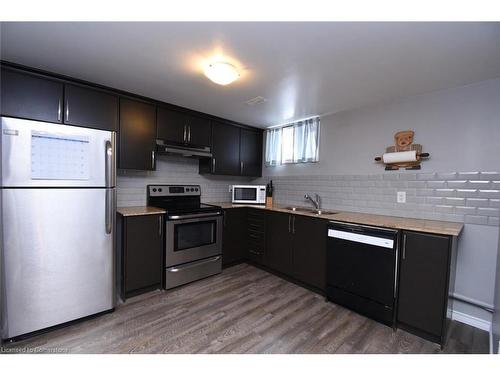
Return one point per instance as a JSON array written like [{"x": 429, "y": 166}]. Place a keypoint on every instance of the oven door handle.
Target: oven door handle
[
  {"x": 193, "y": 216},
  {"x": 193, "y": 264}
]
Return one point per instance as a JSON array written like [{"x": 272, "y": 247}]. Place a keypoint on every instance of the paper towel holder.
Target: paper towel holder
[{"x": 404, "y": 154}]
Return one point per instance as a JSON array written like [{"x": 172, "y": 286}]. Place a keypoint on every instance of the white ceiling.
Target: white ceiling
[{"x": 302, "y": 69}]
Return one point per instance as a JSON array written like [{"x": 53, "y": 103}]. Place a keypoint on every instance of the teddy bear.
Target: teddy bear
[{"x": 403, "y": 141}]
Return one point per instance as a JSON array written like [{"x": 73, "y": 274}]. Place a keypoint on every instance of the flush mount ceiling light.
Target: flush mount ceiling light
[{"x": 221, "y": 73}]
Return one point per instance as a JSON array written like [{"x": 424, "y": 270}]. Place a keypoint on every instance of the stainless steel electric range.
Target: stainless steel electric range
[{"x": 193, "y": 233}]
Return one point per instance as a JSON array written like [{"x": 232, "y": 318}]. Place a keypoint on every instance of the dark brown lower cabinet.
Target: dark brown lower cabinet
[
  {"x": 309, "y": 237},
  {"x": 233, "y": 244},
  {"x": 424, "y": 283},
  {"x": 278, "y": 245},
  {"x": 256, "y": 234},
  {"x": 296, "y": 247},
  {"x": 140, "y": 244}
]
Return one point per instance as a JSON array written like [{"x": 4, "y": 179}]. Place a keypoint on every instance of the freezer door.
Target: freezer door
[
  {"x": 39, "y": 154},
  {"x": 58, "y": 256}
]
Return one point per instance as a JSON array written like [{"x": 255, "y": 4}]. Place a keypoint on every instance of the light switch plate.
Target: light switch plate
[
  {"x": 230, "y": 188},
  {"x": 401, "y": 196}
]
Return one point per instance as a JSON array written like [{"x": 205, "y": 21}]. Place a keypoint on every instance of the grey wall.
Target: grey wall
[{"x": 460, "y": 128}]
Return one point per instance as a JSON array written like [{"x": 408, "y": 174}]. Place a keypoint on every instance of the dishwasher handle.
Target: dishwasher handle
[{"x": 372, "y": 240}]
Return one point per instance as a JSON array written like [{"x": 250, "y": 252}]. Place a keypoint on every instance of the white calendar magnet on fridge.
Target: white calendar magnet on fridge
[{"x": 59, "y": 157}]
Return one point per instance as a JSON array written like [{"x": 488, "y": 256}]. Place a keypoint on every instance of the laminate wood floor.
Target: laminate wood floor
[{"x": 242, "y": 310}]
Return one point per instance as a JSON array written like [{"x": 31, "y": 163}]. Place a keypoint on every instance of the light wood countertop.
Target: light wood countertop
[
  {"x": 139, "y": 211},
  {"x": 419, "y": 225}
]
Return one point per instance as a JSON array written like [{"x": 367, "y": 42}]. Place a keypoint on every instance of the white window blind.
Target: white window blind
[{"x": 293, "y": 143}]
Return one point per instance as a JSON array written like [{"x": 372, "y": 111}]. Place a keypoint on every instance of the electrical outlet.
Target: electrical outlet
[
  {"x": 401, "y": 196},
  {"x": 230, "y": 188}
]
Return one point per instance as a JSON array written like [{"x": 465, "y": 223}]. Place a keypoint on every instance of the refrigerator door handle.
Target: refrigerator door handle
[
  {"x": 109, "y": 210},
  {"x": 109, "y": 163}
]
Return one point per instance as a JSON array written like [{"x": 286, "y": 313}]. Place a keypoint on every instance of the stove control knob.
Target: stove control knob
[
  {"x": 154, "y": 190},
  {"x": 159, "y": 189},
  {"x": 196, "y": 189}
]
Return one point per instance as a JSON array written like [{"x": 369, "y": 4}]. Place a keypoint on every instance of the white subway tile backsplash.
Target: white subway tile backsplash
[
  {"x": 477, "y": 202},
  {"x": 487, "y": 211},
  {"x": 470, "y": 197},
  {"x": 465, "y": 210},
  {"x": 436, "y": 184},
  {"x": 445, "y": 192},
  {"x": 447, "y": 175},
  {"x": 489, "y": 194},
  {"x": 490, "y": 176},
  {"x": 467, "y": 193},
  {"x": 494, "y": 221},
  {"x": 472, "y": 219},
  {"x": 468, "y": 175}
]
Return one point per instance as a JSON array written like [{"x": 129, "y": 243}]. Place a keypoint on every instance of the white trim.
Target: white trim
[
  {"x": 470, "y": 320},
  {"x": 363, "y": 238}
]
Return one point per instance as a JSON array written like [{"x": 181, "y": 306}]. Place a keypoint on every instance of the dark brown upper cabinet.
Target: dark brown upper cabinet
[
  {"x": 251, "y": 153},
  {"x": 137, "y": 135},
  {"x": 84, "y": 106},
  {"x": 236, "y": 151},
  {"x": 29, "y": 96},
  {"x": 225, "y": 149},
  {"x": 171, "y": 126},
  {"x": 182, "y": 128},
  {"x": 199, "y": 131}
]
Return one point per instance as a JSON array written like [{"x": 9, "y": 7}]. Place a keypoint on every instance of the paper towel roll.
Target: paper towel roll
[{"x": 399, "y": 157}]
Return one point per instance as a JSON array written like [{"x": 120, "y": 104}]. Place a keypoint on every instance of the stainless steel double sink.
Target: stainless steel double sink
[{"x": 311, "y": 211}]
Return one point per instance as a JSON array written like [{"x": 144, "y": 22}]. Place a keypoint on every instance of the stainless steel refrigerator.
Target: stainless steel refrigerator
[{"x": 58, "y": 206}]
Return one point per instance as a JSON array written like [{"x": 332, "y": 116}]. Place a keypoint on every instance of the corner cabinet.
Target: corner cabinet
[
  {"x": 140, "y": 257},
  {"x": 137, "y": 136},
  {"x": 424, "y": 284},
  {"x": 236, "y": 151},
  {"x": 250, "y": 153}
]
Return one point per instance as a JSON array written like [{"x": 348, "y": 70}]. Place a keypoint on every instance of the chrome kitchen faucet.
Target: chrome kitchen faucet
[{"x": 316, "y": 202}]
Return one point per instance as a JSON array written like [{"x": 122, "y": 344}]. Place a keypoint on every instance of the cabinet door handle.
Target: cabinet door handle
[
  {"x": 185, "y": 132},
  {"x": 293, "y": 225},
  {"x": 67, "y": 110},
  {"x": 404, "y": 246},
  {"x": 160, "y": 225},
  {"x": 189, "y": 133},
  {"x": 213, "y": 165},
  {"x": 241, "y": 167},
  {"x": 289, "y": 223},
  {"x": 153, "y": 159},
  {"x": 59, "y": 111}
]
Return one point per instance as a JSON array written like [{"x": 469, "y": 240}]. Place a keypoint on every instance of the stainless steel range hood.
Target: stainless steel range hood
[{"x": 187, "y": 151}]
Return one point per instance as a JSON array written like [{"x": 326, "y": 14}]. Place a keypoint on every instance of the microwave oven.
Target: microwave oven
[{"x": 253, "y": 194}]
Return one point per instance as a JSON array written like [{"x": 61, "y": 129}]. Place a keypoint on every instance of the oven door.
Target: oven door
[{"x": 192, "y": 237}]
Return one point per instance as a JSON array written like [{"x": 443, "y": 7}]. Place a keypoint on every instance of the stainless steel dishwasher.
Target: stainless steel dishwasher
[{"x": 362, "y": 269}]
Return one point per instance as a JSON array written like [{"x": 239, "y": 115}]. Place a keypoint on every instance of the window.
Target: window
[{"x": 293, "y": 143}]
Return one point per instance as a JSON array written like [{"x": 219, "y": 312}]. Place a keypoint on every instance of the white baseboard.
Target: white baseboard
[{"x": 470, "y": 320}]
